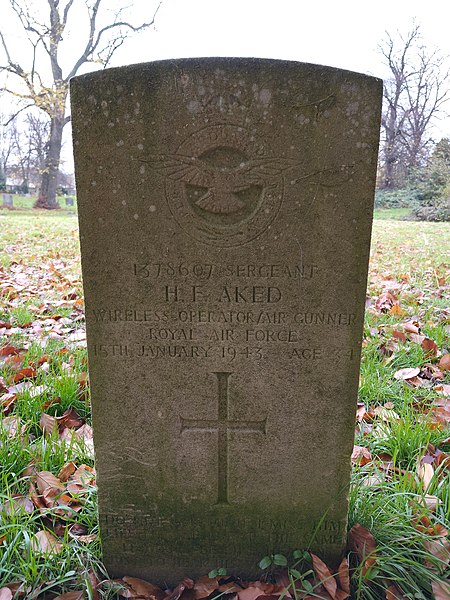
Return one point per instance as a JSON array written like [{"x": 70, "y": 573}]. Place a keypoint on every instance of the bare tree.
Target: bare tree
[
  {"x": 414, "y": 97},
  {"x": 30, "y": 148},
  {"x": 22, "y": 156},
  {"x": 6, "y": 146},
  {"x": 45, "y": 42},
  {"x": 38, "y": 129}
]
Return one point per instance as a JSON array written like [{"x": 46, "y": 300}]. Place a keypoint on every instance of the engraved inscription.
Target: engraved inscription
[
  {"x": 211, "y": 351},
  {"x": 231, "y": 317},
  {"x": 122, "y": 527},
  {"x": 223, "y": 425},
  {"x": 209, "y": 270}
]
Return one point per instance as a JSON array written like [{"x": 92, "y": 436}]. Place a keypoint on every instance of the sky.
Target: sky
[{"x": 342, "y": 34}]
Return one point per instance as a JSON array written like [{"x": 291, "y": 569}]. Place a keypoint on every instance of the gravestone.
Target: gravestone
[
  {"x": 69, "y": 201},
  {"x": 7, "y": 200},
  {"x": 225, "y": 211}
]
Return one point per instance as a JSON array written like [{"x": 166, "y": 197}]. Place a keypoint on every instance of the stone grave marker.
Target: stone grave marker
[
  {"x": 7, "y": 200},
  {"x": 225, "y": 211},
  {"x": 69, "y": 201}
]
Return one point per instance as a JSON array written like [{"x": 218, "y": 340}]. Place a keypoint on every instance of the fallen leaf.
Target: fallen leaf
[
  {"x": 396, "y": 310},
  {"x": 393, "y": 593},
  {"x": 444, "y": 363},
  {"x": 18, "y": 504},
  {"x": 411, "y": 328},
  {"x": 48, "y": 424},
  {"x": 360, "y": 412},
  {"x": 407, "y": 373},
  {"x": 50, "y": 402},
  {"x": 83, "y": 380},
  {"x": 95, "y": 582},
  {"x": 440, "y": 549},
  {"x": 10, "y": 350},
  {"x": 425, "y": 473},
  {"x": 5, "y": 593},
  {"x": 14, "y": 362},
  {"x": 7, "y": 402},
  {"x": 228, "y": 586},
  {"x": 26, "y": 373},
  {"x": 324, "y": 574},
  {"x": 44, "y": 542},
  {"x": 11, "y": 425},
  {"x": 84, "y": 432},
  {"x": 67, "y": 470},
  {"x": 442, "y": 459},
  {"x": 143, "y": 589},
  {"x": 70, "y": 419},
  {"x": 429, "y": 347},
  {"x": 252, "y": 592},
  {"x": 86, "y": 539},
  {"x": 419, "y": 382},
  {"x": 46, "y": 480},
  {"x": 361, "y": 456},
  {"x": 343, "y": 576},
  {"x": 35, "y": 497},
  {"x": 361, "y": 542},
  {"x": 440, "y": 530},
  {"x": 441, "y": 590},
  {"x": 399, "y": 335},
  {"x": 84, "y": 475},
  {"x": 386, "y": 414},
  {"x": 430, "y": 502},
  {"x": 444, "y": 388},
  {"x": 185, "y": 584},
  {"x": 373, "y": 481},
  {"x": 205, "y": 586},
  {"x": 416, "y": 338}
]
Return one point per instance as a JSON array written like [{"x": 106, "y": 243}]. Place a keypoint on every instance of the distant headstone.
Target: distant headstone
[
  {"x": 69, "y": 201},
  {"x": 7, "y": 200},
  {"x": 225, "y": 215}
]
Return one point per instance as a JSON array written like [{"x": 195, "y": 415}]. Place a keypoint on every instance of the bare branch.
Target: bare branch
[
  {"x": 413, "y": 97},
  {"x": 11, "y": 119},
  {"x": 50, "y": 93},
  {"x": 111, "y": 47},
  {"x": 66, "y": 13},
  {"x": 13, "y": 67}
]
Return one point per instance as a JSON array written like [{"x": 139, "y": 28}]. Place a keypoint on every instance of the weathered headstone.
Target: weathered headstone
[
  {"x": 225, "y": 215},
  {"x": 7, "y": 200},
  {"x": 69, "y": 201}
]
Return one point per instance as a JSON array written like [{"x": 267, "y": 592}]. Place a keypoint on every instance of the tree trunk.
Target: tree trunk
[
  {"x": 388, "y": 175},
  {"x": 47, "y": 193}
]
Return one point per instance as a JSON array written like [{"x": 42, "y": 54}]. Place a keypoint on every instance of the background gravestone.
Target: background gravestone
[
  {"x": 225, "y": 212},
  {"x": 7, "y": 200},
  {"x": 69, "y": 201}
]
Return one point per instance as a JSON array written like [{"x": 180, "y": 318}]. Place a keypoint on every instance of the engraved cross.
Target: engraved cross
[{"x": 223, "y": 425}]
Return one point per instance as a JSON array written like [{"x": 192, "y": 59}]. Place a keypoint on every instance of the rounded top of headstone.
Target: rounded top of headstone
[{"x": 227, "y": 61}]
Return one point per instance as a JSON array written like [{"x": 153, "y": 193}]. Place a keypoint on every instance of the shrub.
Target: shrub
[{"x": 401, "y": 198}]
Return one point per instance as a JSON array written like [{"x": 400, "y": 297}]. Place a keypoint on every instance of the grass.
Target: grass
[
  {"x": 400, "y": 433},
  {"x": 387, "y": 214},
  {"x": 27, "y": 202}
]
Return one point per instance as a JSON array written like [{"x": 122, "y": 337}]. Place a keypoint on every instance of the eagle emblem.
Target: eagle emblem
[
  {"x": 224, "y": 187},
  {"x": 221, "y": 190}
]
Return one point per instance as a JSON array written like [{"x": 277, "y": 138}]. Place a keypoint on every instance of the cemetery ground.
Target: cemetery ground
[{"x": 398, "y": 542}]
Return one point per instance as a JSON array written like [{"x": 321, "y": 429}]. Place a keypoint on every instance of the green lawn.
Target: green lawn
[
  {"x": 383, "y": 214},
  {"x": 27, "y": 202}
]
